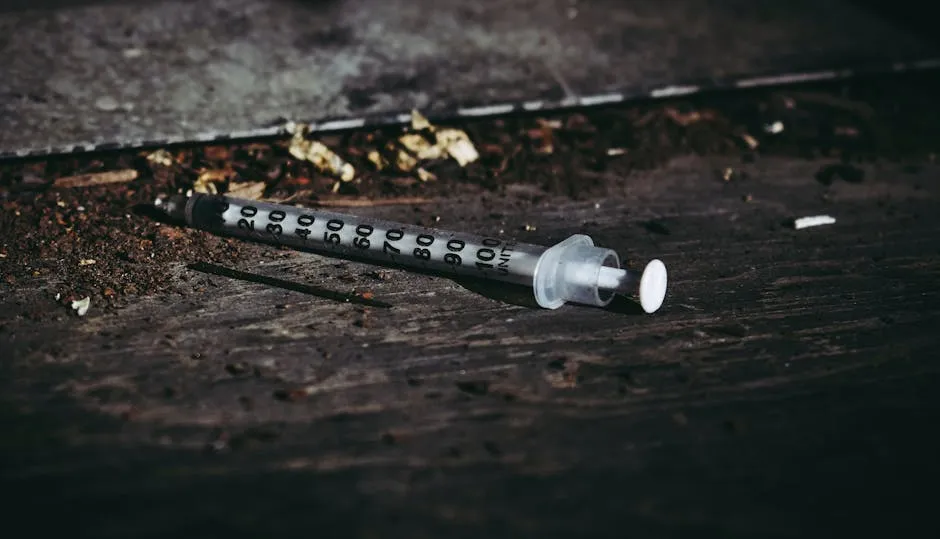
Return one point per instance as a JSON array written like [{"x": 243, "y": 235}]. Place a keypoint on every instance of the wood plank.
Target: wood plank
[{"x": 786, "y": 389}]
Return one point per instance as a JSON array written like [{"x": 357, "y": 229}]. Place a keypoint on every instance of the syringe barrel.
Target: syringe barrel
[{"x": 455, "y": 253}]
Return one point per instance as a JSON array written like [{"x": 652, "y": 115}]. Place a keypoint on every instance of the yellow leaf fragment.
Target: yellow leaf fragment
[
  {"x": 457, "y": 144},
  {"x": 322, "y": 157},
  {"x": 751, "y": 142},
  {"x": 404, "y": 161},
  {"x": 161, "y": 157},
  {"x": 421, "y": 147},
  {"x": 425, "y": 175},
  {"x": 207, "y": 179},
  {"x": 247, "y": 190},
  {"x": 419, "y": 122},
  {"x": 376, "y": 158}
]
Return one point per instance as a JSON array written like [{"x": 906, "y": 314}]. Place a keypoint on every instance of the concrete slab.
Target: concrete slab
[{"x": 89, "y": 75}]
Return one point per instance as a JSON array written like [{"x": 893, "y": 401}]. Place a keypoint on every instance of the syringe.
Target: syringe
[{"x": 574, "y": 270}]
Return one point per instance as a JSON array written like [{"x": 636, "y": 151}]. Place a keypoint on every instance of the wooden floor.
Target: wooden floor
[{"x": 786, "y": 389}]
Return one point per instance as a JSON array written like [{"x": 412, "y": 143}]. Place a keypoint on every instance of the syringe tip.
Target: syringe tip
[
  {"x": 653, "y": 286},
  {"x": 171, "y": 205}
]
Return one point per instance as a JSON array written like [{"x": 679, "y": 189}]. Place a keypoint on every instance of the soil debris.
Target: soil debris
[{"x": 46, "y": 233}]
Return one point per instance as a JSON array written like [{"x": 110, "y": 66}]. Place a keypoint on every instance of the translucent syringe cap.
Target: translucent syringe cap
[{"x": 577, "y": 271}]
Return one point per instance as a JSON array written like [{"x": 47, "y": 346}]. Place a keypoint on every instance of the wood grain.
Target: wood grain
[{"x": 786, "y": 389}]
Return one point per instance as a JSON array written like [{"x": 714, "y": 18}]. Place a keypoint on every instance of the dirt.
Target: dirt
[{"x": 100, "y": 242}]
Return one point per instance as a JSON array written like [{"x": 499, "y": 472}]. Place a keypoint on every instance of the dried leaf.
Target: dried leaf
[
  {"x": 207, "y": 179},
  {"x": 420, "y": 146},
  {"x": 205, "y": 187},
  {"x": 457, "y": 144},
  {"x": 161, "y": 157},
  {"x": 215, "y": 175},
  {"x": 750, "y": 141},
  {"x": 543, "y": 135},
  {"x": 404, "y": 161},
  {"x": 247, "y": 190},
  {"x": 419, "y": 122},
  {"x": 376, "y": 158},
  {"x": 426, "y": 175},
  {"x": 322, "y": 157},
  {"x": 96, "y": 178}
]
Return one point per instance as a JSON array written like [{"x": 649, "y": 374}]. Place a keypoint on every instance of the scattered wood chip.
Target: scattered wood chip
[
  {"x": 207, "y": 179},
  {"x": 368, "y": 202},
  {"x": 425, "y": 175},
  {"x": 81, "y": 306},
  {"x": 750, "y": 141},
  {"x": 317, "y": 153},
  {"x": 247, "y": 190},
  {"x": 404, "y": 161},
  {"x": 815, "y": 220},
  {"x": 421, "y": 147},
  {"x": 378, "y": 160},
  {"x": 96, "y": 178},
  {"x": 543, "y": 136},
  {"x": 457, "y": 144},
  {"x": 419, "y": 122},
  {"x": 161, "y": 157},
  {"x": 453, "y": 142}
]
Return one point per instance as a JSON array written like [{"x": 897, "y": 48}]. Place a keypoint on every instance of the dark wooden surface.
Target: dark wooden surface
[{"x": 786, "y": 389}]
